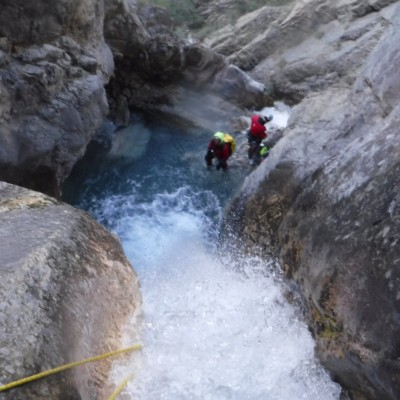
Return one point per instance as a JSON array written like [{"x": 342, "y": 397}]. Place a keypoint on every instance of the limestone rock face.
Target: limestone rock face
[
  {"x": 54, "y": 64},
  {"x": 303, "y": 47},
  {"x": 326, "y": 203},
  {"x": 168, "y": 77},
  {"x": 66, "y": 293}
]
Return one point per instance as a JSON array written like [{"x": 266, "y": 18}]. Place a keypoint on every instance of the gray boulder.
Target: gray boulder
[{"x": 67, "y": 292}]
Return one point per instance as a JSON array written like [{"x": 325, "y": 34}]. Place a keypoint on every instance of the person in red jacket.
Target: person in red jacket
[
  {"x": 256, "y": 133},
  {"x": 219, "y": 149}
]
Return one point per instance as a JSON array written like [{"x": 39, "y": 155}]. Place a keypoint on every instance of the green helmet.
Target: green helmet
[{"x": 219, "y": 136}]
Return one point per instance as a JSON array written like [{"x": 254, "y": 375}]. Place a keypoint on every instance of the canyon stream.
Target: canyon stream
[{"x": 216, "y": 326}]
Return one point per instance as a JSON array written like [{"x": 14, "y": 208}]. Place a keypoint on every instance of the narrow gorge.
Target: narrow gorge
[{"x": 103, "y": 102}]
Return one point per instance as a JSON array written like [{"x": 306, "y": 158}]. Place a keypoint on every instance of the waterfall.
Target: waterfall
[{"x": 215, "y": 326}]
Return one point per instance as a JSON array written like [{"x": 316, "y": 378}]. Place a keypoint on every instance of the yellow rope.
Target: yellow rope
[
  {"x": 118, "y": 390},
  {"x": 67, "y": 366}
]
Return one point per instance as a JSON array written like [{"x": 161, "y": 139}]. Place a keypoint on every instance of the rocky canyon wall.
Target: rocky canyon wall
[{"x": 326, "y": 201}]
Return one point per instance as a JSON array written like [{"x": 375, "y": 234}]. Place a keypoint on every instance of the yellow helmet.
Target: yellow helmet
[{"x": 219, "y": 136}]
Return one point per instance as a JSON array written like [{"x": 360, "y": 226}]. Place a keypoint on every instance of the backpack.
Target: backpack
[{"x": 231, "y": 142}]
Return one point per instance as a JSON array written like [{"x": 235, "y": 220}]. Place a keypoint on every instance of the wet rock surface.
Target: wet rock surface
[{"x": 326, "y": 204}]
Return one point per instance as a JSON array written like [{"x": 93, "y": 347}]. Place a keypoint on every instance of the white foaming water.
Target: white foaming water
[
  {"x": 280, "y": 113},
  {"x": 213, "y": 329}
]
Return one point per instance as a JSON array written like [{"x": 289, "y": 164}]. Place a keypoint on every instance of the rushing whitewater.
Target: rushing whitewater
[{"x": 216, "y": 326}]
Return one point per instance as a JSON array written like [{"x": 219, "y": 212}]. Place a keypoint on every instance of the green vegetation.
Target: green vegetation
[{"x": 183, "y": 12}]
